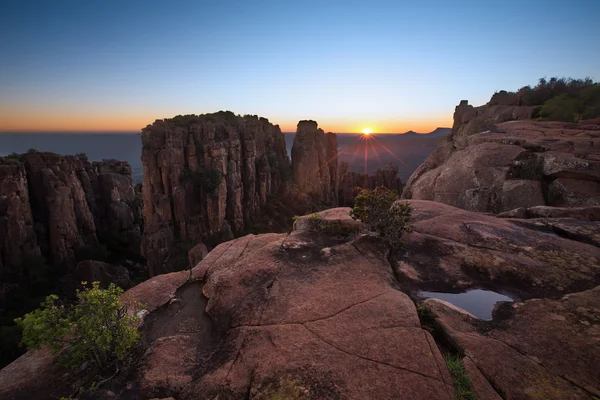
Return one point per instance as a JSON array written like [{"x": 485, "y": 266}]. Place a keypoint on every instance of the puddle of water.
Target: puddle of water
[{"x": 478, "y": 302}]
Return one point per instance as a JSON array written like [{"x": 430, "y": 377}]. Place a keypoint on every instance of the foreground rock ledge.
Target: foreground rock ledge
[{"x": 324, "y": 315}]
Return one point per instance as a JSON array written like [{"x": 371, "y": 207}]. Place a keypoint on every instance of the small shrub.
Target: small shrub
[
  {"x": 316, "y": 222},
  {"x": 396, "y": 224},
  {"x": 95, "y": 329},
  {"x": 32, "y": 151},
  {"x": 372, "y": 206},
  {"x": 379, "y": 209}
]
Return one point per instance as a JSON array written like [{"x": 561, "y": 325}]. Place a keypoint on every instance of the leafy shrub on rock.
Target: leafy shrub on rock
[
  {"x": 380, "y": 210},
  {"x": 96, "y": 328}
]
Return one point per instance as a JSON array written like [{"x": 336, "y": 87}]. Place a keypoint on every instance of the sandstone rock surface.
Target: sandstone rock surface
[
  {"x": 452, "y": 248},
  {"x": 329, "y": 314},
  {"x": 516, "y": 164},
  {"x": 543, "y": 349},
  {"x": 52, "y": 206}
]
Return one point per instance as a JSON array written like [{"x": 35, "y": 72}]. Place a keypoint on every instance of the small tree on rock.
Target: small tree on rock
[
  {"x": 97, "y": 328},
  {"x": 380, "y": 210}
]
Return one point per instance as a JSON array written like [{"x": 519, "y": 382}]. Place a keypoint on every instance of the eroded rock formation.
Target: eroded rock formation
[
  {"x": 469, "y": 120},
  {"x": 205, "y": 179},
  {"x": 285, "y": 313},
  {"x": 315, "y": 163},
  {"x": 54, "y": 205},
  {"x": 518, "y": 164}
]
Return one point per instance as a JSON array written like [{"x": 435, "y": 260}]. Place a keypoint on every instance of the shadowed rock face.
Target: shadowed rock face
[
  {"x": 315, "y": 164},
  {"x": 517, "y": 164},
  {"x": 325, "y": 311},
  {"x": 206, "y": 179},
  {"x": 351, "y": 182},
  {"x": 16, "y": 218},
  {"x": 61, "y": 203}
]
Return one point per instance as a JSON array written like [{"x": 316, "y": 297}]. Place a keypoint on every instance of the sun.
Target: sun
[{"x": 367, "y": 131}]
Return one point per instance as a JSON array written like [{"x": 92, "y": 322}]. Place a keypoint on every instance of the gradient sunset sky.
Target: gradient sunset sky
[{"x": 389, "y": 65}]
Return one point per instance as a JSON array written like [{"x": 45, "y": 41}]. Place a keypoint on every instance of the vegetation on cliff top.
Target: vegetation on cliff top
[
  {"x": 559, "y": 99},
  {"x": 219, "y": 116}
]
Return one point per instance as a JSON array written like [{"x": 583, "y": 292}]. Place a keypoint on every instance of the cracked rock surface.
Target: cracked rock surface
[
  {"x": 324, "y": 313},
  {"x": 316, "y": 316}
]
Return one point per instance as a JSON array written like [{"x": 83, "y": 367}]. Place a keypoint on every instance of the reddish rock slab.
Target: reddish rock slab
[
  {"x": 31, "y": 376},
  {"x": 540, "y": 349},
  {"x": 452, "y": 247},
  {"x": 580, "y": 213},
  {"x": 168, "y": 365},
  {"x": 479, "y": 385},
  {"x": 304, "y": 313}
]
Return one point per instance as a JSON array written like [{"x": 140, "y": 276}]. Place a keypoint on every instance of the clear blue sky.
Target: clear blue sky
[{"x": 391, "y": 65}]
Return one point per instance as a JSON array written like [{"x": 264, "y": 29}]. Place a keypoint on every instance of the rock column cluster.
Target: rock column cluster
[
  {"x": 315, "y": 163},
  {"x": 206, "y": 178},
  {"x": 54, "y": 205}
]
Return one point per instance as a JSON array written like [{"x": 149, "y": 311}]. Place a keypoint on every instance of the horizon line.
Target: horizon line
[{"x": 137, "y": 132}]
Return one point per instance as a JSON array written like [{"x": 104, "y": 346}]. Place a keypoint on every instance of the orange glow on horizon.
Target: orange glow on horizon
[{"x": 18, "y": 120}]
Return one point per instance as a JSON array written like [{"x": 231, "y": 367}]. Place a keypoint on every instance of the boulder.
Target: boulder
[{"x": 197, "y": 253}]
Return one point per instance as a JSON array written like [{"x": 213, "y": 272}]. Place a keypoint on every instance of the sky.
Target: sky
[{"x": 389, "y": 65}]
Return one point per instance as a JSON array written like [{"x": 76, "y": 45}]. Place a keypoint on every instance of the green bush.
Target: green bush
[
  {"x": 561, "y": 108},
  {"x": 372, "y": 206},
  {"x": 379, "y": 209},
  {"x": 95, "y": 329}
]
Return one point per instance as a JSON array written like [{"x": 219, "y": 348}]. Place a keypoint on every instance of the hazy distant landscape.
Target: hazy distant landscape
[
  {"x": 118, "y": 146},
  {"x": 409, "y": 149}
]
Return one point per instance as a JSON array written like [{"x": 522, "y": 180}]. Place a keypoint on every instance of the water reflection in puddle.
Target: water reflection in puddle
[{"x": 478, "y": 302}]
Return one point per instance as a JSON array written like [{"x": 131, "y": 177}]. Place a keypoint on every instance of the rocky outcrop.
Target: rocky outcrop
[
  {"x": 16, "y": 219},
  {"x": 455, "y": 249},
  {"x": 543, "y": 348},
  {"x": 269, "y": 315},
  {"x": 58, "y": 204},
  {"x": 197, "y": 253},
  {"x": 205, "y": 179},
  {"x": 351, "y": 182},
  {"x": 315, "y": 163},
  {"x": 469, "y": 120},
  {"x": 519, "y": 164}
]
